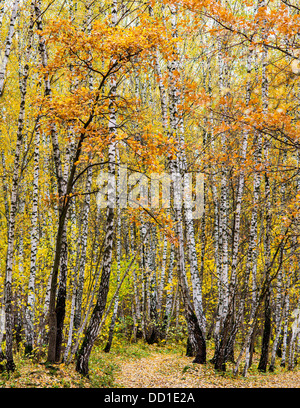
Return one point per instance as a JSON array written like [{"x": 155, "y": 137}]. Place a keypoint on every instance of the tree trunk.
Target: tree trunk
[
  {"x": 8, "y": 43},
  {"x": 118, "y": 250},
  {"x": 262, "y": 366},
  {"x": 169, "y": 294},
  {"x": 92, "y": 330},
  {"x": 83, "y": 249},
  {"x": 267, "y": 325},
  {"x": 12, "y": 216},
  {"x": 285, "y": 332},
  {"x": 34, "y": 247}
]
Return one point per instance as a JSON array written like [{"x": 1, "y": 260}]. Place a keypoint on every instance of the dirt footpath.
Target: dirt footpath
[{"x": 173, "y": 371}]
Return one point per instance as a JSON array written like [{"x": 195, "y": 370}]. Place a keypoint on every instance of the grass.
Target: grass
[
  {"x": 32, "y": 374},
  {"x": 104, "y": 366}
]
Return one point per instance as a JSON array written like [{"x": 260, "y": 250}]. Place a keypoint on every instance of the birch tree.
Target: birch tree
[
  {"x": 8, "y": 43},
  {"x": 13, "y": 209}
]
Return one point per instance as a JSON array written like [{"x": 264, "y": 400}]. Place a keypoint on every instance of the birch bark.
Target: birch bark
[
  {"x": 13, "y": 214},
  {"x": 222, "y": 319},
  {"x": 279, "y": 316},
  {"x": 176, "y": 126},
  {"x": 252, "y": 254},
  {"x": 228, "y": 333},
  {"x": 169, "y": 294},
  {"x": 8, "y": 43},
  {"x": 56, "y": 311},
  {"x": 92, "y": 330},
  {"x": 118, "y": 250},
  {"x": 162, "y": 275},
  {"x": 262, "y": 366},
  {"x": 285, "y": 331},
  {"x": 83, "y": 249},
  {"x": 34, "y": 248},
  {"x": 137, "y": 302},
  {"x": 78, "y": 285}
]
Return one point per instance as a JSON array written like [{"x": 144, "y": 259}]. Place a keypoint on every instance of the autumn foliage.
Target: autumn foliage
[{"x": 189, "y": 87}]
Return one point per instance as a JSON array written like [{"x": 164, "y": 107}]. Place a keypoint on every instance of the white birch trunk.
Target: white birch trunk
[
  {"x": 268, "y": 216},
  {"x": 163, "y": 94},
  {"x": 145, "y": 280},
  {"x": 118, "y": 250},
  {"x": 34, "y": 248},
  {"x": 72, "y": 315},
  {"x": 162, "y": 275},
  {"x": 170, "y": 291},
  {"x": 251, "y": 263},
  {"x": 240, "y": 189},
  {"x": 221, "y": 221},
  {"x": 279, "y": 316},
  {"x": 8, "y": 44},
  {"x": 93, "y": 328},
  {"x": 285, "y": 331},
  {"x": 135, "y": 279},
  {"x": 177, "y": 129},
  {"x": 5, "y": 186},
  {"x": 13, "y": 214},
  {"x": 83, "y": 249}
]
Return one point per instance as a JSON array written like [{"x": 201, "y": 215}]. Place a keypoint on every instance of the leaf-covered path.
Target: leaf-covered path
[
  {"x": 175, "y": 371},
  {"x": 144, "y": 366}
]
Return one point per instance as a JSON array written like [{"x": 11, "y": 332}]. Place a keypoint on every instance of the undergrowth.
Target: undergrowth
[{"x": 105, "y": 369}]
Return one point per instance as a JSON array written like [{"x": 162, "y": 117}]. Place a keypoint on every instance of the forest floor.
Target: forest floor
[
  {"x": 143, "y": 366},
  {"x": 176, "y": 371}
]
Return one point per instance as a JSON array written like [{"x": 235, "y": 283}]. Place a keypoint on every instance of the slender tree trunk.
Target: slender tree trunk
[
  {"x": 137, "y": 302},
  {"x": 8, "y": 43},
  {"x": 262, "y": 366},
  {"x": 34, "y": 247},
  {"x": 231, "y": 323},
  {"x": 176, "y": 166},
  {"x": 87, "y": 314},
  {"x": 12, "y": 217},
  {"x": 265, "y": 288},
  {"x": 85, "y": 209},
  {"x": 152, "y": 330},
  {"x": 60, "y": 308},
  {"x": 295, "y": 334},
  {"x": 56, "y": 311},
  {"x": 144, "y": 271},
  {"x": 222, "y": 319},
  {"x": 279, "y": 314},
  {"x": 92, "y": 330},
  {"x": 267, "y": 327},
  {"x": 162, "y": 275},
  {"x": 83, "y": 249},
  {"x": 169, "y": 294},
  {"x": 118, "y": 248},
  {"x": 5, "y": 187},
  {"x": 72, "y": 315},
  {"x": 285, "y": 331}
]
